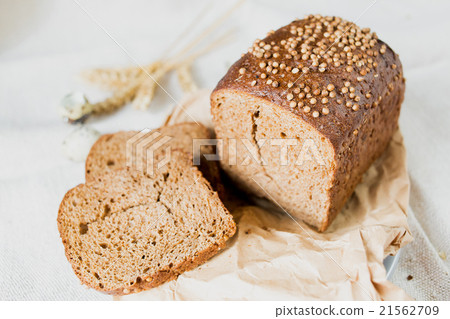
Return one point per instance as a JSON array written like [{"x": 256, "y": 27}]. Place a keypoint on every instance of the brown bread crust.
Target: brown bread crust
[{"x": 375, "y": 76}]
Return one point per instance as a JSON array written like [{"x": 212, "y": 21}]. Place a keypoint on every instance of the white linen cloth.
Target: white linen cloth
[{"x": 44, "y": 45}]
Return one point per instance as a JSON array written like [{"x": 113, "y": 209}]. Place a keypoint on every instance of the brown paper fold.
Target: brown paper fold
[{"x": 273, "y": 257}]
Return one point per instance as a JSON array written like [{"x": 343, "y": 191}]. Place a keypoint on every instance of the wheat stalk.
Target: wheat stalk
[{"x": 138, "y": 84}]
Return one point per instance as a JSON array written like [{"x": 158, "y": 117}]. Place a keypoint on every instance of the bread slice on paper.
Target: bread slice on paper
[
  {"x": 109, "y": 152},
  {"x": 128, "y": 231}
]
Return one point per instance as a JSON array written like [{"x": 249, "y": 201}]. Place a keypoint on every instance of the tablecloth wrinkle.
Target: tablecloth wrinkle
[{"x": 44, "y": 47}]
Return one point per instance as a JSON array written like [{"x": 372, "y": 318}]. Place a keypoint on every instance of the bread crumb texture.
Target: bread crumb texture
[
  {"x": 109, "y": 152},
  {"x": 127, "y": 231}
]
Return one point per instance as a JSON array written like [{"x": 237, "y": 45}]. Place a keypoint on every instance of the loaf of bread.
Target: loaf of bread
[
  {"x": 308, "y": 108},
  {"x": 127, "y": 231},
  {"x": 109, "y": 152}
]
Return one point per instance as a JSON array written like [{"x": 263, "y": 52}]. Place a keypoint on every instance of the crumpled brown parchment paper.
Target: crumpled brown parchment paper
[{"x": 273, "y": 257}]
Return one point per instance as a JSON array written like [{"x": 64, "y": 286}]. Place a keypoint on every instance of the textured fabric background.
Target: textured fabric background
[{"x": 45, "y": 44}]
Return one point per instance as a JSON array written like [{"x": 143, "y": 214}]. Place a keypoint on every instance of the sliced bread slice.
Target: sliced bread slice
[
  {"x": 128, "y": 231},
  {"x": 109, "y": 152}
]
